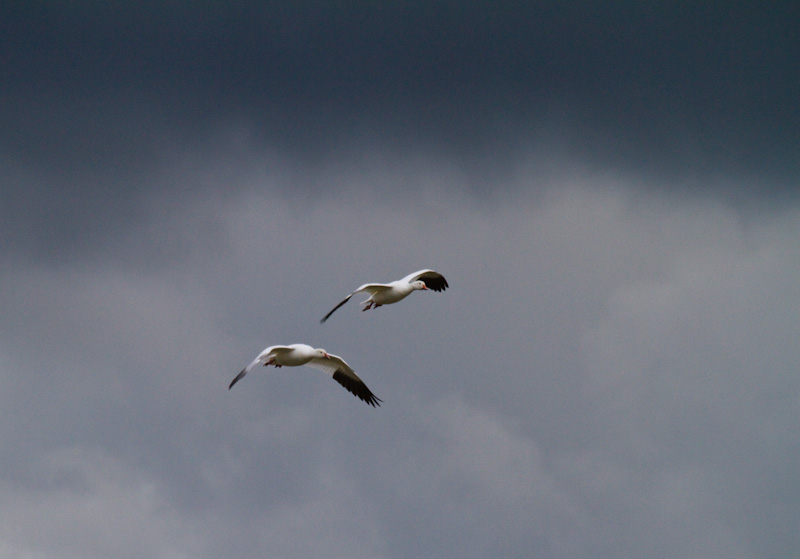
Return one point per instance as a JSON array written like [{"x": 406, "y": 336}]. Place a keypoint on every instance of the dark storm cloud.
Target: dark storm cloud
[
  {"x": 97, "y": 100},
  {"x": 696, "y": 86}
]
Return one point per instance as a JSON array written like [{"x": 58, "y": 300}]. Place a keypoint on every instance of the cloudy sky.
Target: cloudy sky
[{"x": 610, "y": 189}]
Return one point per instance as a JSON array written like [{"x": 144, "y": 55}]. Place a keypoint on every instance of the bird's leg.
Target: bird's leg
[
  {"x": 368, "y": 306},
  {"x": 270, "y": 361}
]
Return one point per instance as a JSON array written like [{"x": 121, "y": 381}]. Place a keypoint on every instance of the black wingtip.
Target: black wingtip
[
  {"x": 357, "y": 388},
  {"x": 333, "y": 310},
  {"x": 327, "y": 316},
  {"x": 370, "y": 398},
  {"x": 238, "y": 378},
  {"x": 435, "y": 283}
]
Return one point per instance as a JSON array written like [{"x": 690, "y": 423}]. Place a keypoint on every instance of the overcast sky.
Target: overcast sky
[{"x": 611, "y": 190}]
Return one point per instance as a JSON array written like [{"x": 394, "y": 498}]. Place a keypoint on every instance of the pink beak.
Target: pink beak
[{"x": 327, "y": 356}]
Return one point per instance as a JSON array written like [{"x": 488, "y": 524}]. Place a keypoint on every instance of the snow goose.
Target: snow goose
[
  {"x": 388, "y": 293},
  {"x": 295, "y": 355}
]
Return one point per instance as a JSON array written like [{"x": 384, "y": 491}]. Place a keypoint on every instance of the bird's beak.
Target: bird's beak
[
  {"x": 327, "y": 356},
  {"x": 425, "y": 287}
]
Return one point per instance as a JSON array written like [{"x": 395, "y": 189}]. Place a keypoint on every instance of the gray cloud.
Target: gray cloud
[
  {"x": 613, "y": 371},
  {"x": 600, "y": 367}
]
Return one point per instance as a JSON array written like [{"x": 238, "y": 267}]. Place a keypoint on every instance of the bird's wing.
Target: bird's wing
[
  {"x": 240, "y": 376},
  {"x": 433, "y": 280},
  {"x": 262, "y": 358},
  {"x": 341, "y": 372},
  {"x": 274, "y": 350},
  {"x": 327, "y": 316},
  {"x": 368, "y": 287}
]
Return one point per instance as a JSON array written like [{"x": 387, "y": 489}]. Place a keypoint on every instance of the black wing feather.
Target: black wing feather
[
  {"x": 436, "y": 282},
  {"x": 327, "y": 316},
  {"x": 238, "y": 378},
  {"x": 356, "y": 387}
]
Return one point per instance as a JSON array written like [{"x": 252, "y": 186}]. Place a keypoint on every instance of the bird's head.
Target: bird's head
[
  {"x": 419, "y": 284},
  {"x": 321, "y": 353}
]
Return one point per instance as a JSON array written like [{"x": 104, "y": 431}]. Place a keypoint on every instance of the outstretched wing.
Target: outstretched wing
[
  {"x": 327, "y": 316},
  {"x": 341, "y": 372},
  {"x": 260, "y": 360},
  {"x": 433, "y": 280},
  {"x": 369, "y": 287}
]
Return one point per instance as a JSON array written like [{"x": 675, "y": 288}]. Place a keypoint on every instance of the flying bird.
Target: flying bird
[
  {"x": 295, "y": 355},
  {"x": 388, "y": 293}
]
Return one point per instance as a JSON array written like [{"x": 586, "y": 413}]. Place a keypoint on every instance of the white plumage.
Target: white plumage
[
  {"x": 295, "y": 355},
  {"x": 388, "y": 293}
]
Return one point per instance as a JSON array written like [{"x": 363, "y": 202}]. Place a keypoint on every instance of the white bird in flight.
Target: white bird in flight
[
  {"x": 388, "y": 293},
  {"x": 295, "y": 355}
]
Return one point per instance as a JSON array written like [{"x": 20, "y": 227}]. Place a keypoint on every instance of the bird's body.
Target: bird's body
[
  {"x": 295, "y": 355},
  {"x": 388, "y": 293}
]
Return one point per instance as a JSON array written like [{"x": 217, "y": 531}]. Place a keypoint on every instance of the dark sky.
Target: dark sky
[{"x": 611, "y": 190}]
